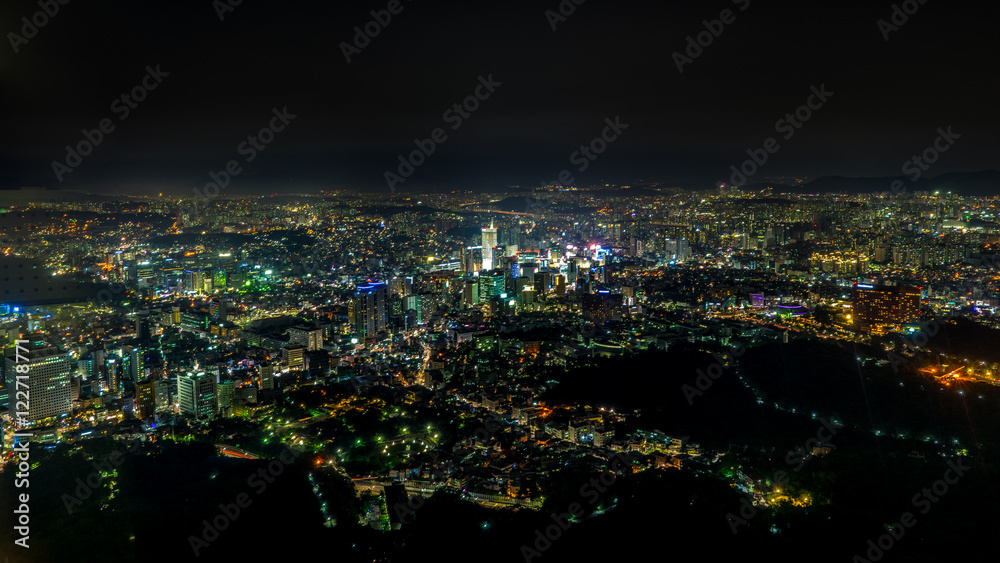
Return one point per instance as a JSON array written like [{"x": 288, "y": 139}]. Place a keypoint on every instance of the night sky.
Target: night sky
[{"x": 557, "y": 87}]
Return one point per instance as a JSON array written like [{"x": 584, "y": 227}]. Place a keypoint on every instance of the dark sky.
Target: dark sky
[{"x": 607, "y": 59}]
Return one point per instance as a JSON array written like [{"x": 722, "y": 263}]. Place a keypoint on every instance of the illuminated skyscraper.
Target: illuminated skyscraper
[
  {"x": 489, "y": 241},
  {"x": 197, "y": 397},
  {"x": 135, "y": 364},
  {"x": 471, "y": 294},
  {"x": 145, "y": 399},
  {"x": 227, "y": 397},
  {"x": 368, "y": 311},
  {"x": 48, "y": 382},
  {"x": 492, "y": 284},
  {"x": 880, "y": 309},
  {"x": 115, "y": 371}
]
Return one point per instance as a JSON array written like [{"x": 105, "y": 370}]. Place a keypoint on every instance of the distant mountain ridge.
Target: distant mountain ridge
[{"x": 984, "y": 183}]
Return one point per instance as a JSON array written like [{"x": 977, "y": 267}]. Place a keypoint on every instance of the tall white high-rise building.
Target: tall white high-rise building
[
  {"x": 197, "y": 396},
  {"x": 489, "y": 241},
  {"x": 48, "y": 382}
]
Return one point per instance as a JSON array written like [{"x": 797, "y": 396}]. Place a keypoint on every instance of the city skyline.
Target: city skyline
[{"x": 558, "y": 281}]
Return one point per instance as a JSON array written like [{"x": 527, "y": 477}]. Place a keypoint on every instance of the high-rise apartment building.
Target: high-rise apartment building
[
  {"x": 880, "y": 309},
  {"x": 368, "y": 312}
]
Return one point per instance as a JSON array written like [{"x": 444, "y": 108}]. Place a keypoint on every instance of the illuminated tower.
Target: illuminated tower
[{"x": 489, "y": 241}]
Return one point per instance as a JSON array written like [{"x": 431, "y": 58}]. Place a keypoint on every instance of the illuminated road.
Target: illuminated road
[{"x": 230, "y": 451}]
